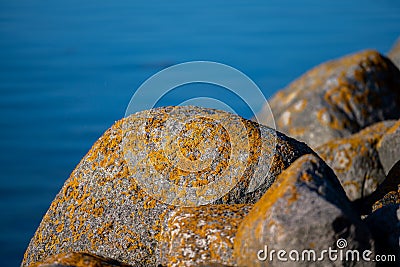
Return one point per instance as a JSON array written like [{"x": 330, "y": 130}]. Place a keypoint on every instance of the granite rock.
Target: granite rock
[
  {"x": 338, "y": 98},
  {"x": 305, "y": 208},
  {"x": 103, "y": 208},
  {"x": 356, "y": 161}
]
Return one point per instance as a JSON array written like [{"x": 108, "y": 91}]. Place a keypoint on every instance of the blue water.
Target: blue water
[{"x": 69, "y": 68}]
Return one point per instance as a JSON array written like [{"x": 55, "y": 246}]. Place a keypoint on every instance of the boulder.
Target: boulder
[
  {"x": 305, "y": 209},
  {"x": 356, "y": 161},
  {"x": 394, "y": 53},
  {"x": 201, "y": 236},
  {"x": 76, "y": 259},
  {"x": 337, "y": 98},
  {"x": 117, "y": 198}
]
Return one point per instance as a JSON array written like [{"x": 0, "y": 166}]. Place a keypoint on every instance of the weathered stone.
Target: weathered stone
[
  {"x": 338, "y": 98},
  {"x": 384, "y": 225},
  {"x": 75, "y": 259},
  {"x": 394, "y": 53},
  {"x": 204, "y": 235},
  {"x": 102, "y": 208},
  {"x": 389, "y": 147},
  {"x": 355, "y": 160},
  {"x": 386, "y": 193},
  {"x": 393, "y": 197},
  {"x": 304, "y": 209}
]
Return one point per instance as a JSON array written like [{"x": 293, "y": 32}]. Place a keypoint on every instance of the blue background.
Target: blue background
[{"x": 69, "y": 68}]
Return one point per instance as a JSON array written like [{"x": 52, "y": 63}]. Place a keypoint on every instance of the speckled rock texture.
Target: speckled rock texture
[
  {"x": 75, "y": 259},
  {"x": 338, "y": 98},
  {"x": 389, "y": 147},
  {"x": 202, "y": 235},
  {"x": 356, "y": 161},
  {"x": 306, "y": 208},
  {"x": 103, "y": 210},
  {"x": 394, "y": 53}
]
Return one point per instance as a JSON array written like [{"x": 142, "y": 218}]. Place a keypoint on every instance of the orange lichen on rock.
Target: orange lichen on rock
[
  {"x": 198, "y": 236},
  {"x": 298, "y": 212},
  {"x": 355, "y": 159},
  {"x": 104, "y": 207},
  {"x": 342, "y": 97},
  {"x": 393, "y": 197}
]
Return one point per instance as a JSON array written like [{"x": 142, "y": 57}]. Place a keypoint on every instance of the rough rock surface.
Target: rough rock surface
[
  {"x": 103, "y": 210},
  {"x": 305, "y": 208},
  {"x": 387, "y": 193},
  {"x": 393, "y": 197},
  {"x": 389, "y": 147},
  {"x": 355, "y": 160},
  {"x": 76, "y": 259},
  {"x": 394, "y": 53},
  {"x": 338, "y": 98},
  {"x": 202, "y": 235}
]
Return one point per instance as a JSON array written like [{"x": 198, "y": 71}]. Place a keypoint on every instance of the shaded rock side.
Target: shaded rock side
[
  {"x": 338, "y": 98},
  {"x": 304, "y": 209},
  {"x": 394, "y": 53},
  {"x": 384, "y": 225},
  {"x": 103, "y": 210},
  {"x": 388, "y": 192},
  {"x": 355, "y": 160},
  {"x": 202, "y": 236},
  {"x": 389, "y": 147},
  {"x": 75, "y": 259}
]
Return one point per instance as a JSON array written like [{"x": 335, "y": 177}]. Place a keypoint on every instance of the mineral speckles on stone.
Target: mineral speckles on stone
[
  {"x": 102, "y": 210},
  {"x": 338, "y": 98},
  {"x": 202, "y": 235}
]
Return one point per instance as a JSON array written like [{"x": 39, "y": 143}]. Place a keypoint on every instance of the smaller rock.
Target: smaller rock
[
  {"x": 337, "y": 98},
  {"x": 355, "y": 160},
  {"x": 394, "y": 53},
  {"x": 389, "y": 147},
  {"x": 202, "y": 236},
  {"x": 78, "y": 259},
  {"x": 306, "y": 208}
]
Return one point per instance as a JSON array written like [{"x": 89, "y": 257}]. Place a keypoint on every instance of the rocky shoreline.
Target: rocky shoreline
[{"x": 330, "y": 172}]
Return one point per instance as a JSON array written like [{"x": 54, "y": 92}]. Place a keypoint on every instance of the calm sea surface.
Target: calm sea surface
[{"x": 69, "y": 68}]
